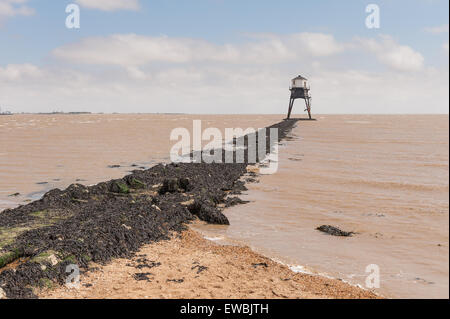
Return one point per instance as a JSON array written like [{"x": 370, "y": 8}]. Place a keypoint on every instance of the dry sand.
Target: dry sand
[{"x": 193, "y": 267}]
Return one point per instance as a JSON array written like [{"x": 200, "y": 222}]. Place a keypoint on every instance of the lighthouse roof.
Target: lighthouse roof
[{"x": 300, "y": 78}]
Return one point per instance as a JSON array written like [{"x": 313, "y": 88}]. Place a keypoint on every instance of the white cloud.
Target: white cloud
[
  {"x": 136, "y": 50},
  {"x": 439, "y": 29},
  {"x": 357, "y": 91},
  {"x": 19, "y": 72},
  {"x": 395, "y": 56},
  {"x": 12, "y": 8},
  {"x": 319, "y": 44},
  {"x": 110, "y": 5},
  {"x": 136, "y": 73},
  {"x": 221, "y": 88}
]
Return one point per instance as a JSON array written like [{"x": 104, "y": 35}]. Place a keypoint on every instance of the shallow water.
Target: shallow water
[{"x": 385, "y": 177}]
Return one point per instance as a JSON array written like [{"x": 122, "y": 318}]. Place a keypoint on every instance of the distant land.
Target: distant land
[
  {"x": 69, "y": 113},
  {"x": 81, "y": 113},
  {"x": 4, "y": 112},
  {"x": 46, "y": 113}
]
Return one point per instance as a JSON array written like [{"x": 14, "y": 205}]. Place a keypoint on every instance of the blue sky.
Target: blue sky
[{"x": 320, "y": 39}]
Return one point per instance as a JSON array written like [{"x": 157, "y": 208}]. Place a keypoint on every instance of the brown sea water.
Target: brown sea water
[
  {"x": 59, "y": 150},
  {"x": 385, "y": 177}
]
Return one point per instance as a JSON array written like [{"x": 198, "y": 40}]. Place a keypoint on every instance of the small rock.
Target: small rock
[
  {"x": 126, "y": 227},
  {"x": 188, "y": 203},
  {"x": 53, "y": 260},
  {"x": 334, "y": 231},
  {"x": 14, "y": 195},
  {"x": 170, "y": 185},
  {"x": 177, "y": 281}
]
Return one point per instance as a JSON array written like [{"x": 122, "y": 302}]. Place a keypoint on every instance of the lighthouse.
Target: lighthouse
[{"x": 300, "y": 90}]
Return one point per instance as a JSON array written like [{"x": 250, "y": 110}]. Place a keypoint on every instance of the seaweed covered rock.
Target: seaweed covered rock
[
  {"x": 238, "y": 188},
  {"x": 185, "y": 184},
  {"x": 170, "y": 185},
  {"x": 173, "y": 185},
  {"x": 53, "y": 197},
  {"x": 134, "y": 183},
  {"x": 208, "y": 213},
  {"x": 7, "y": 257},
  {"x": 233, "y": 201},
  {"x": 334, "y": 231},
  {"x": 78, "y": 191},
  {"x": 119, "y": 187}
]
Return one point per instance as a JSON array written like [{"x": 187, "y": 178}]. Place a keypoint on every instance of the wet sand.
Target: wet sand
[{"x": 189, "y": 266}]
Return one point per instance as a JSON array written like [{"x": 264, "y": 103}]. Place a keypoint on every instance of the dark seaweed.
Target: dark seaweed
[{"x": 334, "y": 231}]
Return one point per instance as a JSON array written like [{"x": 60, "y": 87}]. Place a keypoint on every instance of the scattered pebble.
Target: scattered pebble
[
  {"x": 178, "y": 281},
  {"x": 199, "y": 268},
  {"x": 143, "y": 276}
]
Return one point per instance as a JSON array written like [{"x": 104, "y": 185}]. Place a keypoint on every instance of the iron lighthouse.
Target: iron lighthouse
[{"x": 300, "y": 90}]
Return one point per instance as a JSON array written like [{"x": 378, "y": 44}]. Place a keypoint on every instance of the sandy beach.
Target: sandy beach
[{"x": 189, "y": 266}]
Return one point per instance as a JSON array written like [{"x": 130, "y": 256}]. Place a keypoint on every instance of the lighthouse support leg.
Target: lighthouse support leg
[
  {"x": 291, "y": 104},
  {"x": 308, "y": 107}
]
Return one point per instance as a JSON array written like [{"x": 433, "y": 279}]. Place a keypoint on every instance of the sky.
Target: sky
[{"x": 223, "y": 56}]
